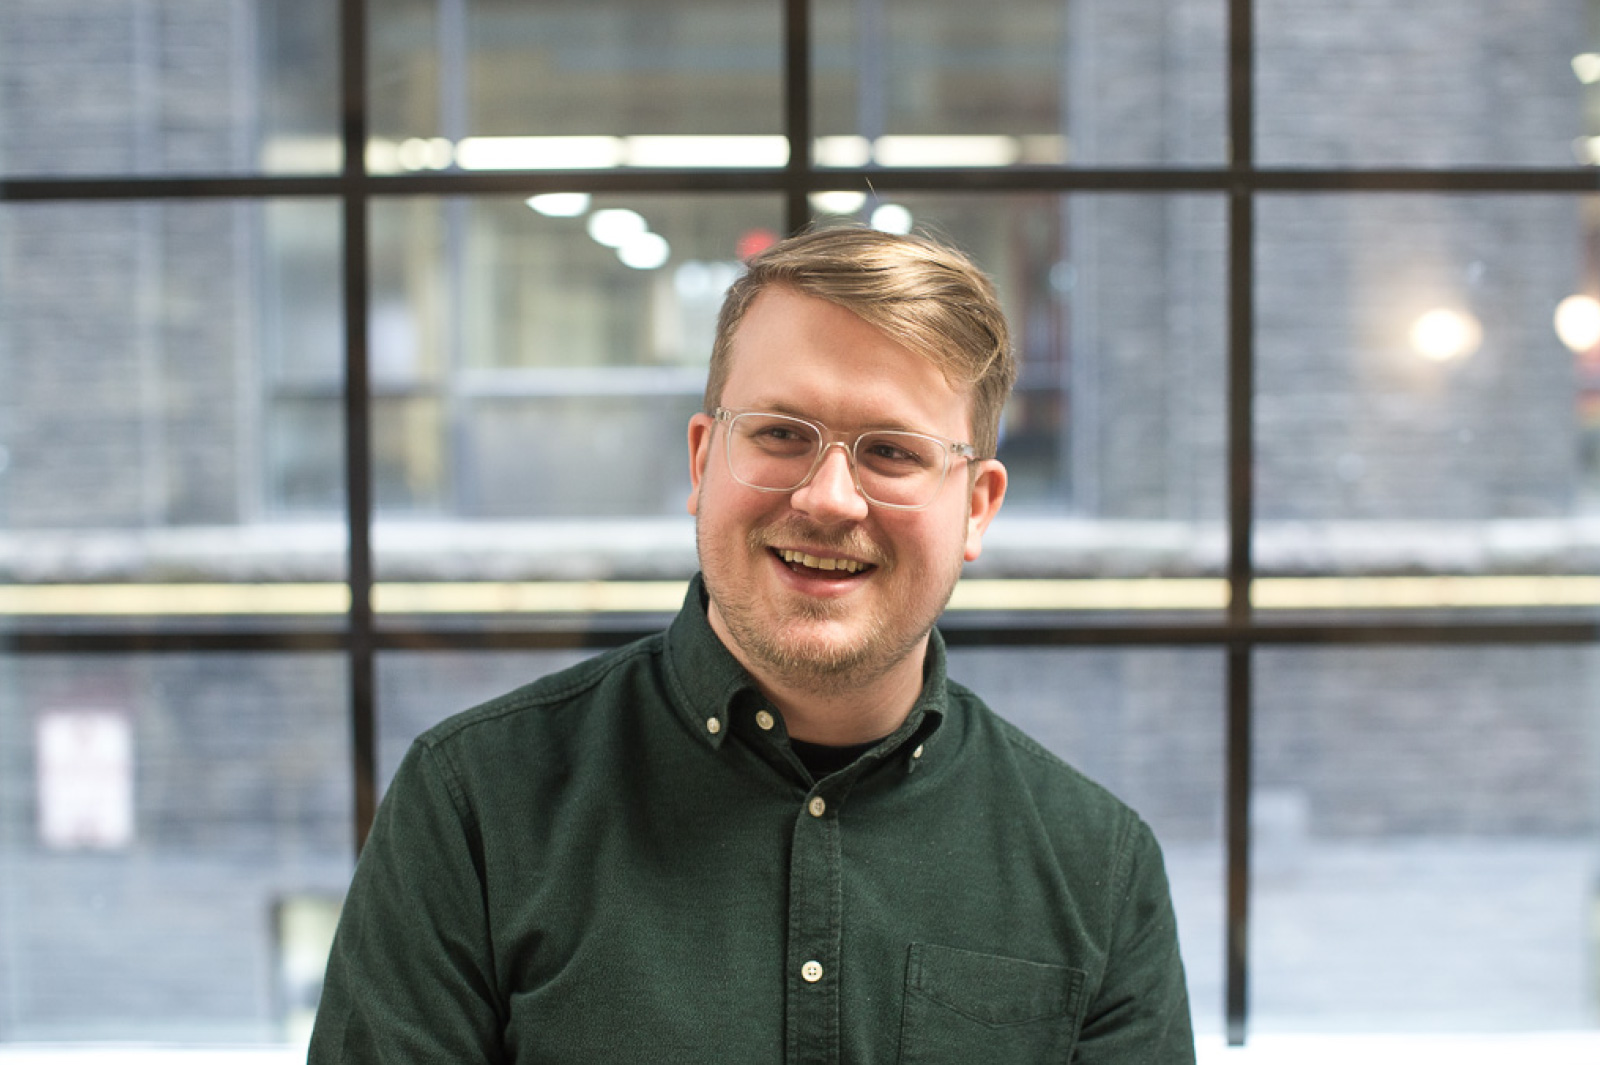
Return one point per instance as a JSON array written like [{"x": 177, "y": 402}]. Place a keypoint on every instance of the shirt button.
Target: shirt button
[
  {"x": 765, "y": 720},
  {"x": 817, "y": 807},
  {"x": 918, "y": 752},
  {"x": 811, "y": 972},
  {"x": 713, "y": 726}
]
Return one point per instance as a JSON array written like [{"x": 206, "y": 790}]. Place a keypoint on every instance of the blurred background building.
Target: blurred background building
[{"x": 1305, "y": 452}]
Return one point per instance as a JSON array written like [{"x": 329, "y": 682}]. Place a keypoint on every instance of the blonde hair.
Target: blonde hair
[{"x": 927, "y": 297}]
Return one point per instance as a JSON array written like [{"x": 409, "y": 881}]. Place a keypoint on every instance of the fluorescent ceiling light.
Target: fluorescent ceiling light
[
  {"x": 897, "y": 150},
  {"x": 843, "y": 151},
  {"x": 688, "y": 151},
  {"x": 560, "y": 204},
  {"x": 539, "y": 153}
]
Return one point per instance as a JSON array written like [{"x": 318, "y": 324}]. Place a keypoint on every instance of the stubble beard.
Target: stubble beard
[{"x": 809, "y": 659}]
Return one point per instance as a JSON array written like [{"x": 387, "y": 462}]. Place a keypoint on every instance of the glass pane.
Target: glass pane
[
  {"x": 499, "y": 84},
  {"x": 170, "y": 379},
  {"x": 1114, "y": 435},
  {"x": 903, "y": 83},
  {"x": 549, "y": 383},
  {"x": 1421, "y": 414},
  {"x": 176, "y": 839},
  {"x": 1147, "y": 725},
  {"x": 534, "y": 365},
  {"x": 1425, "y": 840},
  {"x": 103, "y": 88},
  {"x": 1431, "y": 83}
]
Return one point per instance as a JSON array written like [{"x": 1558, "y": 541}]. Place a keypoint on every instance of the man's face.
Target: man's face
[{"x": 826, "y": 629}]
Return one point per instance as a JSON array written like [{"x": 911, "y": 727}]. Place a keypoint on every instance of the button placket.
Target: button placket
[{"x": 812, "y": 1008}]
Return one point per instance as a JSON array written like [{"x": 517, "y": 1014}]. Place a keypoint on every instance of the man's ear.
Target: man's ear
[
  {"x": 988, "y": 491},
  {"x": 700, "y": 431}
]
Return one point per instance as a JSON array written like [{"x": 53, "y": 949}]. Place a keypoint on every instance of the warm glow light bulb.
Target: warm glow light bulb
[
  {"x": 1578, "y": 322},
  {"x": 1443, "y": 335}
]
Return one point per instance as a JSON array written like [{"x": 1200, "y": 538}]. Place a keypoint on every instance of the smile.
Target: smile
[{"x": 800, "y": 558}]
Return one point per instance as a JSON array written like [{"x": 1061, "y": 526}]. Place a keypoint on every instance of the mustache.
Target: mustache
[{"x": 793, "y": 532}]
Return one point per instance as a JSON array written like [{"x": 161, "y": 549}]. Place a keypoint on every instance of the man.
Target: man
[{"x": 776, "y": 832}]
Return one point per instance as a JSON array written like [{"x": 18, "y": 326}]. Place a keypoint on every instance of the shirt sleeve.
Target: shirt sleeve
[
  {"x": 410, "y": 977},
  {"x": 1141, "y": 1014}
]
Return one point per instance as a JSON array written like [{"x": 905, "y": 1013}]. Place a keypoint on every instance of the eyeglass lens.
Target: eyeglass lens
[{"x": 895, "y": 468}]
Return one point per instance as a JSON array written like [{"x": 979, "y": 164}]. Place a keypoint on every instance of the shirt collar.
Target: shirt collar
[
  {"x": 704, "y": 679},
  {"x": 702, "y": 674}
]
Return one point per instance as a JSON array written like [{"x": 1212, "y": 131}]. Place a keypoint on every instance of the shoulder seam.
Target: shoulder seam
[{"x": 587, "y": 674}]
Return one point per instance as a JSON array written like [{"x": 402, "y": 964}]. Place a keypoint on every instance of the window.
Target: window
[{"x": 345, "y": 352}]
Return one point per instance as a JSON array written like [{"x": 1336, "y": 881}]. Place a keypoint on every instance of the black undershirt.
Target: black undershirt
[{"x": 820, "y": 759}]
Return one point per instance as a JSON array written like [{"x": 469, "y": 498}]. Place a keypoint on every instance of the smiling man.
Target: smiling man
[{"x": 777, "y": 832}]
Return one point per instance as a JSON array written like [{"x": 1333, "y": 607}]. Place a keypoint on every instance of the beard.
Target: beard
[{"x": 827, "y": 646}]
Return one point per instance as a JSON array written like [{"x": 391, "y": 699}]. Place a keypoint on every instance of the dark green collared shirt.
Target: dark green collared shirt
[{"x": 625, "y": 862}]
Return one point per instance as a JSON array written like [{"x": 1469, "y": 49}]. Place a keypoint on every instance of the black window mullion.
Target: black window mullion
[
  {"x": 357, "y": 413},
  {"x": 797, "y": 112},
  {"x": 1241, "y": 508}
]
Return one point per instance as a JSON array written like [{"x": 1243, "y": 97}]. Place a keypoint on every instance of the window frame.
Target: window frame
[{"x": 1240, "y": 632}]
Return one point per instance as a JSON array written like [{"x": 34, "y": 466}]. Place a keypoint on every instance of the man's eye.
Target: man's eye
[{"x": 888, "y": 452}]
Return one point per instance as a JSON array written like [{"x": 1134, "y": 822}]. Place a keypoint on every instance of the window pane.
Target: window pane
[
  {"x": 1425, "y": 840},
  {"x": 533, "y": 366},
  {"x": 1147, "y": 725},
  {"x": 100, "y": 87},
  {"x": 176, "y": 837},
  {"x": 1113, "y": 438},
  {"x": 1431, "y": 83},
  {"x": 498, "y": 84},
  {"x": 903, "y": 83},
  {"x": 1417, "y": 412},
  {"x": 171, "y": 379}
]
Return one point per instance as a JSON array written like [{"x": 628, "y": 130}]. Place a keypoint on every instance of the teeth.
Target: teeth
[{"x": 813, "y": 562}]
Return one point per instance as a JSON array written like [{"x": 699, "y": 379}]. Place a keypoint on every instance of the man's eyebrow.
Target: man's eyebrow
[{"x": 792, "y": 411}]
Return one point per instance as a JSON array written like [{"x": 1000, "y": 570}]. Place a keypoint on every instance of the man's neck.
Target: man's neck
[{"x": 839, "y": 715}]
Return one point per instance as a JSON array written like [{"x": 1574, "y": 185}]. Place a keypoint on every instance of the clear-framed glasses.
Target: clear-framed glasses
[{"x": 891, "y": 467}]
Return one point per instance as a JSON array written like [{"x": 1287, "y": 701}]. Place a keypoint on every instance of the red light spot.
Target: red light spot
[{"x": 755, "y": 241}]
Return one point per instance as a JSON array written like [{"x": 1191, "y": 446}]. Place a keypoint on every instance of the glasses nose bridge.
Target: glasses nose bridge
[{"x": 844, "y": 442}]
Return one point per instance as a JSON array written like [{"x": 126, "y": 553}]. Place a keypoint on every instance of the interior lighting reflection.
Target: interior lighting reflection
[
  {"x": 946, "y": 151},
  {"x": 560, "y": 204},
  {"x": 692, "y": 151},
  {"x": 1444, "y": 335},
  {"x": 1587, "y": 67},
  {"x": 615, "y": 226},
  {"x": 1578, "y": 323},
  {"x": 838, "y": 202},
  {"x": 431, "y": 153},
  {"x": 892, "y": 218},
  {"x": 540, "y": 153},
  {"x": 644, "y": 251},
  {"x": 846, "y": 151}
]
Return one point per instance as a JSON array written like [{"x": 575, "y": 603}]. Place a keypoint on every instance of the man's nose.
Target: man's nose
[{"x": 831, "y": 496}]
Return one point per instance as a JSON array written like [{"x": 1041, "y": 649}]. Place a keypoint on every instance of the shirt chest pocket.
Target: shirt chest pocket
[{"x": 963, "y": 1007}]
